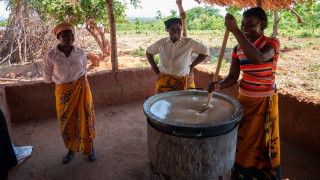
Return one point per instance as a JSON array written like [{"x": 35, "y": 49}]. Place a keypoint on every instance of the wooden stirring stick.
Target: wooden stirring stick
[{"x": 216, "y": 74}]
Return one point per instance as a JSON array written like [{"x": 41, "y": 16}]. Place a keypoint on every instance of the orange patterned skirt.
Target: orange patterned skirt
[
  {"x": 166, "y": 83},
  {"x": 76, "y": 117},
  {"x": 258, "y": 141}
]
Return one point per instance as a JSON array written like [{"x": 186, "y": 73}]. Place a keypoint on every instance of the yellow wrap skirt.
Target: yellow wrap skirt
[
  {"x": 258, "y": 141},
  {"x": 166, "y": 83},
  {"x": 76, "y": 117}
]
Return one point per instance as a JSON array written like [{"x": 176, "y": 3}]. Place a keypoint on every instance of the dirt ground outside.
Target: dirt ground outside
[{"x": 298, "y": 69}]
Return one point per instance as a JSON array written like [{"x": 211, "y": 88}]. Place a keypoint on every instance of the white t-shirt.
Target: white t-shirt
[{"x": 175, "y": 58}]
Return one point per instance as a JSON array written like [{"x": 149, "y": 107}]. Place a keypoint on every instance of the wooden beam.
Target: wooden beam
[
  {"x": 113, "y": 36},
  {"x": 259, "y": 3},
  {"x": 182, "y": 17},
  {"x": 275, "y": 25}
]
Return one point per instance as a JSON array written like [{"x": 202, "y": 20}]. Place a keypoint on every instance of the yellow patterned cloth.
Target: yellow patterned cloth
[
  {"x": 76, "y": 117},
  {"x": 166, "y": 83},
  {"x": 258, "y": 142}
]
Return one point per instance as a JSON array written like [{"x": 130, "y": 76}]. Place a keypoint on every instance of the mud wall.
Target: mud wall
[
  {"x": 4, "y": 106},
  {"x": 36, "y": 100},
  {"x": 300, "y": 122},
  {"x": 112, "y": 88},
  {"x": 299, "y": 119}
]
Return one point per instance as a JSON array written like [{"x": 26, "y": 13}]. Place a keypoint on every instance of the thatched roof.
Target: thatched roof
[{"x": 265, "y": 4}]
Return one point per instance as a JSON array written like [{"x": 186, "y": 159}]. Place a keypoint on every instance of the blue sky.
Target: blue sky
[{"x": 150, "y": 7}]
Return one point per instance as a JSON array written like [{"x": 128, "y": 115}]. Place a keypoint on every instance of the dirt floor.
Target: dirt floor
[
  {"x": 121, "y": 142},
  {"x": 121, "y": 146}
]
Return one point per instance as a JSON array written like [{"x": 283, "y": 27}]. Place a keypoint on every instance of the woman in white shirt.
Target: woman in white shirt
[
  {"x": 175, "y": 69},
  {"x": 66, "y": 66}
]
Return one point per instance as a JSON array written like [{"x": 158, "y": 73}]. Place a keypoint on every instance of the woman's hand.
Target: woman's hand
[
  {"x": 191, "y": 70},
  {"x": 231, "y": 23},
  {"x": 213, "y": 86}
]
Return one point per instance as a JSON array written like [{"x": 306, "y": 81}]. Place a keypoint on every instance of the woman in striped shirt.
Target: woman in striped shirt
[{"x": 255, "y": 55}]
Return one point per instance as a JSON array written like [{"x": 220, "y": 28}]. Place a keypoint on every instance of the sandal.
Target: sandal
[
  {"x": 68, "y": 157},
  {"x": 93, "y": 155}
]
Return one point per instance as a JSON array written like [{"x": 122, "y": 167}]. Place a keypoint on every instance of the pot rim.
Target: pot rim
[{"x": 235, "y": 117}]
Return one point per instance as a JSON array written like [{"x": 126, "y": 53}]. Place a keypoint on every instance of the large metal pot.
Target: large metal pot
[{"x": 179, "y": 150}]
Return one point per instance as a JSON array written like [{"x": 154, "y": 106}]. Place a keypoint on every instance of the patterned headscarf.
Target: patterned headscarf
[{"x": 62, "y": 27}]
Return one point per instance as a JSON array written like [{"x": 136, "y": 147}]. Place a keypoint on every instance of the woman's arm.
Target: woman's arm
[
  {"x": 252, "y": 53},
  {"x": 198, "y": 60},
  {"x": 233, "y": 76},
  {"x": 152, "y": 62},
  {"x": 47, "y": 69},
  {"x": 229, "y": 80}
]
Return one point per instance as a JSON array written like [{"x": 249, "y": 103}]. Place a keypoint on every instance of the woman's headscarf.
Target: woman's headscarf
[{"x": 62, "y": 27}]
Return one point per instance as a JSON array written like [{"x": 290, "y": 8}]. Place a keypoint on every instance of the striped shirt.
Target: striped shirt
[
  {"x": 175, "y": 58},
  {"x": 258, "y": 80}
]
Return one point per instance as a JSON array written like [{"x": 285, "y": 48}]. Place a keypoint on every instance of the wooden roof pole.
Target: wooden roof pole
[
  {"x": 275, "y": 24},
  {"x": 259, "y": 3},
  {"x": 277, "y": 19},
  {"x": 182, "y": 17},
  {"x": 113, "y": 35}
]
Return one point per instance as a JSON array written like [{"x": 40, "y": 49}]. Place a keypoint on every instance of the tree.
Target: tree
[
  {"x": 173, "y": 13},
  {"x": 310, "y": 12},
  {"x": 159, "y": 15},
  {"x": 203, "y": 18},
  {"x": 195, "y": 13},
  {"x": 21, "y": 29},
  {"x": 4, "y": 23},
  {"x": 138, "y": 24},
  {"x": 88, "y": 13},
  {"x": 236, "y": 12}
]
